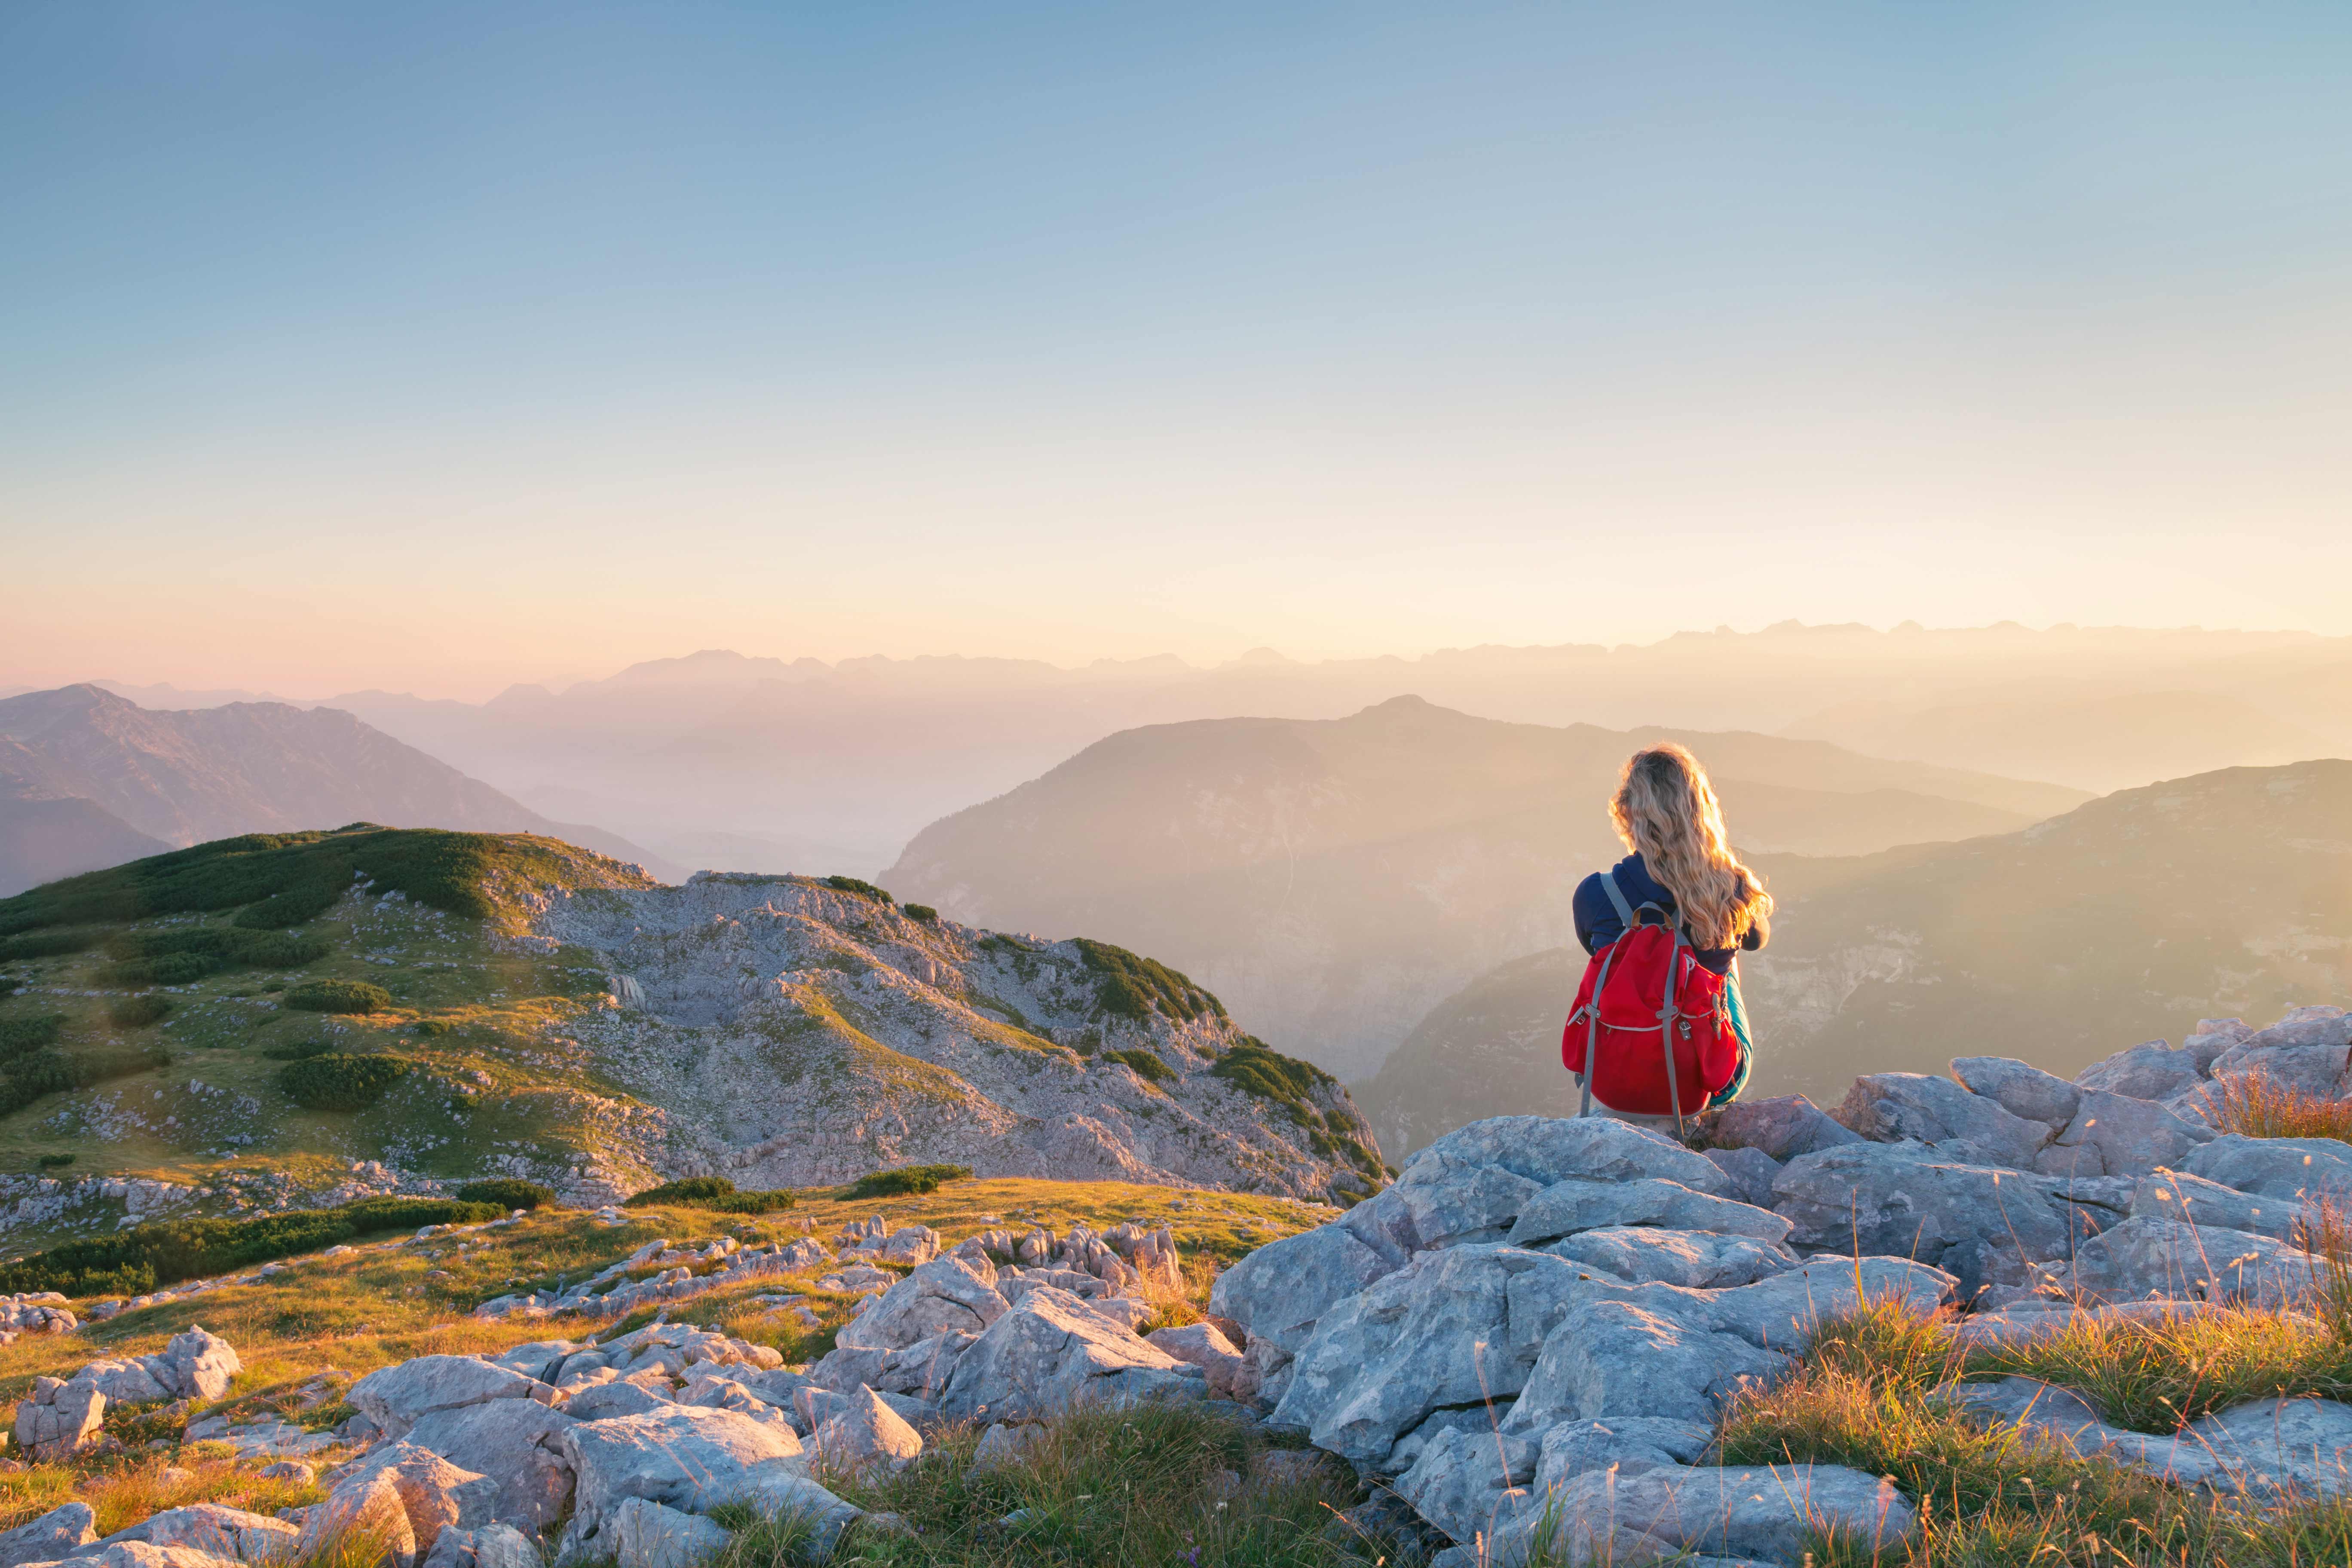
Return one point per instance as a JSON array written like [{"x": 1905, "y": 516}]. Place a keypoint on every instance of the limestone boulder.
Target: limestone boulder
[
  {"x": 1544, "y": 1150},
  {"x": 1472, "y": 1481},
  {"x": 685, "y": 1457},
  {"x": 219, "y": 1532},
  {"x": 1889, "y": 1106},
  {"x": 1630, "y": 1444},
  {"x": 2150, "y": 1071},
  {"x": 1281, "y": 1290},
  {"x": 517, "y": 1444},
  {"x": 780, "y": 1492},
  {"x": 1752, "y": 1173},
  {"x": 1564, "y": 1208},
  {"x": 1984, "y": 1225},
  {"x": 1697, "y": 1258},
  {"x": 865, "y": 1433},
  {"x": 60, "y": 1532},
  {"x": 395, "y": 1397},
  {"x": 1205, "y": 1346},
  {"x": 1782, "y": 1126},
  {"x": 2147, "y": 1258},
  {"x": 2177, "y": 1195},
  {"x": 1766, "y": 1513},
  {"x": 945, "y": 1294},
  {"x": 647, "y": 1534},
  {"x": 2303, "y": 1169},
  {"x": 2117, "y": 1135},
  {"x": 1052, "y": 1350},
  {"x": 58, "y": 1420},
  {"x": 2020, "y": 1089}
]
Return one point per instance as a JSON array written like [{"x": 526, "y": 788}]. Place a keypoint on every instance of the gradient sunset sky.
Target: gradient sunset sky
[{"x": 440, "y": 346}]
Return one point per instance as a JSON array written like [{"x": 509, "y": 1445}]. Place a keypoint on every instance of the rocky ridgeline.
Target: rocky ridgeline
[
  {"x": 103, "y": 1203},
  {"x": 798, "y": 1033},
  {"x": 1546, "y": 1318}
]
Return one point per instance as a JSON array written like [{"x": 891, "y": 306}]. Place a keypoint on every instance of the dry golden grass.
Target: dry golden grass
[{"x": 2256, "y": 1105}]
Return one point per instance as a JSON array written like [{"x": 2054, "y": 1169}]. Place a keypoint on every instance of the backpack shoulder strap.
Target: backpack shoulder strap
[{"x": 1617, "y": 896}]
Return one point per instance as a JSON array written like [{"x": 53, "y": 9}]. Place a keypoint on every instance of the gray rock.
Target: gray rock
[
  {"x": 504, "y": 1546},
  {"x": 1630, "y": 1443},
  {"x": 646, "y": 1534},
  {"x": 2020, "y": 1089},
  {"x": 57, "y": 1420},
  {"x": 2307, "y": 1050},
  {"x": 684, "y": 1456},
  {"x": 140, "y": 1554},
  {"x": 2274, "y": 1448},
  {"x": 218, "y": 1532},
  {"x": 611, "y": 1401},
  {"x": 2295, "y": 1168},
  {"x": 1752, "y": 1173},
  {"x": 780, "y": 1491},
  {"x": 1281, "y": 1290},
  {"x": 2124, "y": 1137},
  {"x": 396, "y": 1397},
  {"x": 363, "y": 1507},
  {"x": 1003, "y": 1444},
  {"x": 2030, "y": 1405},
  {"x": 1770, "y": 1513},
  {"x": 1888, "y": 1107},
  {"x": 2211, "y": 1037},
  {"x": 1697, "y": 1258},
  {"x": 1783, "y": 1127},
  {"x": 2145, "y": 1258},
  {"x": 2149, "y": 1071},
  {"x": 518, "y": 1443},
  {"x": 2177, "y": 1195},
  {"x": 1618, "y": 1358},
  {"x": 1450, "y": 1207},
  {"x": 1051, "y": 1350},
  {"x": 62, "y": 1531},
  {"x": 1985, "y": 1227},
  {"x": 1453, "y": 1328},
  {"x": 945, "y": 1295},
  {"x": 1784, "y": 1310},
  {"x": 865, "y": 1433},
  {"x": 1202, "y": 1345},
  {"x": 1544, "y": 1150},
  {"x": 540, "y": 1359},
  {"x": 1577, "y": 1204},
  {"x": 1472, "y": 1481},
  {"x": 434, "y": 1495}
]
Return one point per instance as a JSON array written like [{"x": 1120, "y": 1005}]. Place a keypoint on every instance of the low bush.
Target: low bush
[
  {"x": 51, "y": 943},
  {"x": 335, "y": 1081},
  {"x": 55, "y": 1161},
  {"x": 1133, "y": 986},
  {"x": 1146, "y": 1065},
  {"x": 26, "y": 1074},
  {"x": 859, "y": 886},
  {"x": 299, "y": 1051},
  {"x": 923, "y": 912},
  {"x": 338, "y": 996},
  {"x": 906, "y": 1180},
  {"x": 714, "y": 1193},
  {"x": 138, "y": 1012},
  {"x": 172, "y": 969},
  {"x": 21, "y": 1034},
  {"x": 507, "y": 1192},
  {"x": 1255, "y": 1067},
  {"x": 147, "y": 1256}
]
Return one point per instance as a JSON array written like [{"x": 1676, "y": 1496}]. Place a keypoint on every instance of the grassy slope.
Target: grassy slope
[{"x": 307, "y": 1332}]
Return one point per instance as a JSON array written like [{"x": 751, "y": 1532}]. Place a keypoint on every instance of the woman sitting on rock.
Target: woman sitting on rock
[{"x": 1691, "y": 907}]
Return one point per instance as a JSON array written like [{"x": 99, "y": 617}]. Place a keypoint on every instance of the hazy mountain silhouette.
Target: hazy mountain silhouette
[
  {"x": 2100, "y": 743},
  {"x": 1334, "y": 878},
  {"x": 176, "y": 777},
  {"x": 2222, "y": 894}
]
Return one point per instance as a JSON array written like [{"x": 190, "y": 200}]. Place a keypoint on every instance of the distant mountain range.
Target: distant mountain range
[
  {"x": 771, "y": 765},
  {"x": 1335, "y": 878},
  {"x": 2226, "y": 894},
  {"x": 89, "y": 779}
]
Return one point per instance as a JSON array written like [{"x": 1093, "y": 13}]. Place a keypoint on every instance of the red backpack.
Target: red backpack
[{"x": 1646, "y": 999}]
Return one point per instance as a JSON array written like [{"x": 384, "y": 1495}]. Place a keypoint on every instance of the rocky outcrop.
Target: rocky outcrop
[{"x": 879, "y": 1037}]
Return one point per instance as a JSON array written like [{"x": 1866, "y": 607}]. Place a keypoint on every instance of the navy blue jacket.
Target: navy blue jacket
[{"x": 1597, "y": 924}]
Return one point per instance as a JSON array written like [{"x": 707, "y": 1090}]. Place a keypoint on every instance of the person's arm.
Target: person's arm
[{"x": 1597, "y": 924}]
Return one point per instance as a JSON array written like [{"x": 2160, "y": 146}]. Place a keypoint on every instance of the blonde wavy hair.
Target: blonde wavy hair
[{"x": 1665, "y": 809}]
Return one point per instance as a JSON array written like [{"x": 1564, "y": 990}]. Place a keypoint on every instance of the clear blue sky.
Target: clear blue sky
[{"x": 439, "y": 345}]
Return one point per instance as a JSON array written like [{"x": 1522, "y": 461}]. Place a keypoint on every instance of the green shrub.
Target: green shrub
[
  {"x": 138, "y": 1012},
  {"x": 51, "y": 943},
  {"x": 338, "y": 996},
  {"x": 432, "y": 1029},
  {"x": 337, "y": 1081},
  {"x": 714, "y": 1193},
  {"x": 299, "y": 1051},
  {"x": 1146, "y": 1065},
  {"x": 147, "y": 1256},
  {"x": 18, "y": 1036},
  {"x": 923, "y": 912},
  {"x": 172, "y": 969},
  {"x": 55, "y": 1161},
  {"x": 1133, "y": 986},
  {"x": 507, "y": 1191},
  {"x": 906, "y": 1180},
  {"x": 856, "y": 885},
  {"x": 177, "y": 957},
  {"x": 28, "y": 1070}
]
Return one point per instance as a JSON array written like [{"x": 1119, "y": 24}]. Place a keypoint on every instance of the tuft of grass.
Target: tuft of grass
[{"x": 2256, "y": 1105}]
